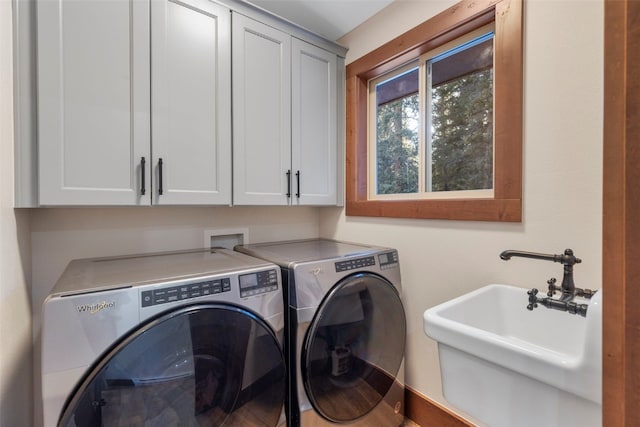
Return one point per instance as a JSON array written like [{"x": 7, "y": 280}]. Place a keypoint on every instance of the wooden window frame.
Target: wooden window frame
[{"x": 463, "y": 17}]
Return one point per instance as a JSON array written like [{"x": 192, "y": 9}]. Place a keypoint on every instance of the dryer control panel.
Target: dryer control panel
[{"x": 385, "y": 259}]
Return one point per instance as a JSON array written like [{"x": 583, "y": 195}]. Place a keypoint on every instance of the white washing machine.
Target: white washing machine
[
  {"x": 346, "y": 332},
  {"x": 191, "y": 338}
]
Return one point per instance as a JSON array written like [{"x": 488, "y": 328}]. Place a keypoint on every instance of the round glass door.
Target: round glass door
[
  {"x": 354, "y": 347},
  {"x": 204, "y": 365}
]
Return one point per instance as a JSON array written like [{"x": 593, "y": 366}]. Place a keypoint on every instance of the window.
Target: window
[
  {"x": 394, "y": 133},
  {"x": 434, "y": 123},
  {"x": 431, "y": 123}
]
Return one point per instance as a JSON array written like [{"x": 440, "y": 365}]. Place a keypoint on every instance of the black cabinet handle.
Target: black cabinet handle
[
  {"x": 143, "y": 167},
  {"x": 160, "y": 176},
  {"x": 288, "y": 183},
  {"x": 298, "y": 181}
]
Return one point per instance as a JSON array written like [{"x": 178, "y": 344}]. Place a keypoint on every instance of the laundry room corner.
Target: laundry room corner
[{"x": 16, "y": 392}]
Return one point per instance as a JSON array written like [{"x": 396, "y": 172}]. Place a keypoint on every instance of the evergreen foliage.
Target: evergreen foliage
[
  {"x": 398, "y": 167},
  {"x": 462, "y": 138}
]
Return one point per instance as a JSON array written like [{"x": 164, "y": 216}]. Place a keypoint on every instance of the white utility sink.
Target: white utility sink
[{"x": 508, "y": 366}]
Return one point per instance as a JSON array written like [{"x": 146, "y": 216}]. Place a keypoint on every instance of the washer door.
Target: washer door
[
  {"x": 203, "y": 365},
  {"x": 354, "y": 347}
]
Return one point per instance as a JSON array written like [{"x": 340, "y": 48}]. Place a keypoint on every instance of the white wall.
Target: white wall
[
  {"x": 562, "y": 176},
  {"x": 15, "y": 309}
]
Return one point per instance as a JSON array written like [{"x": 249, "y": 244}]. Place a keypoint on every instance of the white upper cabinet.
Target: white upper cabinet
[
  {"x": 134, "y": 102},
  {"x": 284, "y": 118},
  {"x": 93, "y": 102},
  {"x": 176, "y": 102},
  {"x": 313, "y": 146},
  {"x": 261, "y": 113},
  {"x": 191, "y": 102}
]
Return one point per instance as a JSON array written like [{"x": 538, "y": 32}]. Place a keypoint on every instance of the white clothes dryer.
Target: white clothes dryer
[
  {"x": 192, "y": 338},
  {"x": 346, "y": 332}
]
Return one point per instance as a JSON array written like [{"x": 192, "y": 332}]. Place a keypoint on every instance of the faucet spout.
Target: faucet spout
[
  {"x": 566, "y": 259},
  {"x": 567, "y": 288}
]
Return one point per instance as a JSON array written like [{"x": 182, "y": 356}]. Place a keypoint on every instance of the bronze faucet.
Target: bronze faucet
[{"x": 567, "y": 288}]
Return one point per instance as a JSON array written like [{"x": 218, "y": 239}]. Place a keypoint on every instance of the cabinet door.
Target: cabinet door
[
  {"x": 314, "y": 95},
  {"x": 191, "y": 102},
  {"x": 93, "y": 102},
  {"x": 261, "y": 113}
]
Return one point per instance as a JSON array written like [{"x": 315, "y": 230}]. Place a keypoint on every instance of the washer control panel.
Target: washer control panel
[
  {"x": 258, "y": 283},
  {"x": 355, "y": 263},
  {"x": 185, "y": 291}
]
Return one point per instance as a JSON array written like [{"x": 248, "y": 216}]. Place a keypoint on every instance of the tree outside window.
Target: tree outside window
[{"x": 455, "y": 153}]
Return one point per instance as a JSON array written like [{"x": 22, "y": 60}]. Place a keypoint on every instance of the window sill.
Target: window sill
[{"x": 502, "y": 210}]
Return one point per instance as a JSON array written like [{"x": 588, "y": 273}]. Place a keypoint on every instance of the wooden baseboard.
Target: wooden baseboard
[{"x": 427, "y": 413}]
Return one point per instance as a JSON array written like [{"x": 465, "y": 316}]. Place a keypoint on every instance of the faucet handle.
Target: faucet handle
[
  {"x": 585, "y": 293},
  {"x": 569, "y": 258},
  {"x": 533, "y": 300},
  {"x": 552, "y": 287}
]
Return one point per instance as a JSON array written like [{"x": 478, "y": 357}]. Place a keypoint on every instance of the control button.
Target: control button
[{"x": 147, "y": 298}]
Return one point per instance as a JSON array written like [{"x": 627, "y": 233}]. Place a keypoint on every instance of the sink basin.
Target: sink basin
[{"x": 508, "y": 366}]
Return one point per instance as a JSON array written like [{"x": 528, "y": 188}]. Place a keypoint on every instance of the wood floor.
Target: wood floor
[{"x": 164, "y": 405}]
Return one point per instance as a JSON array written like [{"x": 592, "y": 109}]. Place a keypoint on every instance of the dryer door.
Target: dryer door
[
  {"x": 354, "y": 347},
  {"x": 203, "y": 365}
]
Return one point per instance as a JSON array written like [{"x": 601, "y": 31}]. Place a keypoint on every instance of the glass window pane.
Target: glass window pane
[
  {"x": 398, "y": 134},
  {"x": 461, "y": 93}
]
